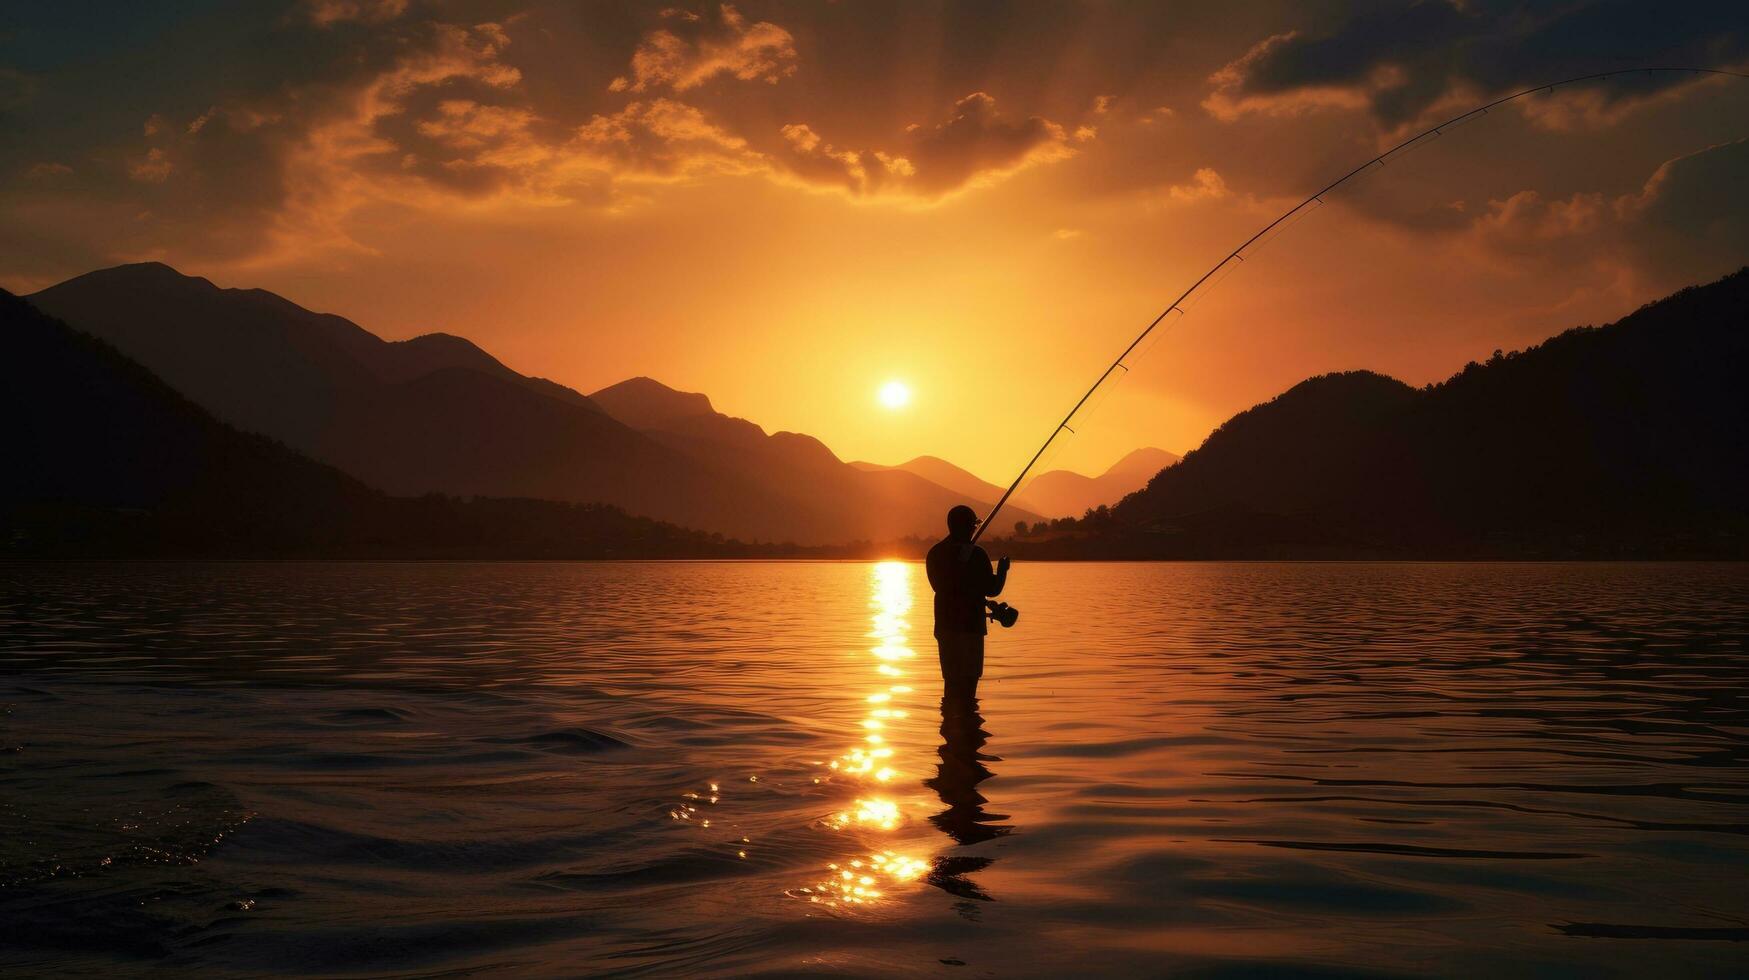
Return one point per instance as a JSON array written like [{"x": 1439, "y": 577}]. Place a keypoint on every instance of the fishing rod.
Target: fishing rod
[{"x": 1315, "y": 200}]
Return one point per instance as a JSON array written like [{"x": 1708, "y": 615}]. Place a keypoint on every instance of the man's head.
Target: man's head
[{"x": 961, "y": 521}]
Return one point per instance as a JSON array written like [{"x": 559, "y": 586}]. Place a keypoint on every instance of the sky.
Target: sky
[{"x": 789, "y": 205}]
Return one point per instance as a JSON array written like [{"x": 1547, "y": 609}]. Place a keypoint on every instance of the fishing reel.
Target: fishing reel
[{"x": 1002, "y": 612}]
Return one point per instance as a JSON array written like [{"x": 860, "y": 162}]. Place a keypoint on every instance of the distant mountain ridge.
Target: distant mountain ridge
[
  {"x": 1626, "y": 440},
  {"x": 438, "y": 414},
  {"x": 1623, "y": 441},
  {"x": 943, "y": 473},
  {"x": 645, "y": 403},
  {"x": 1063, "y": 493},
  {"x": 108, "y": 461},
  {"x": 884, "y": 503},
  {"x": 1054, "y": 493}
]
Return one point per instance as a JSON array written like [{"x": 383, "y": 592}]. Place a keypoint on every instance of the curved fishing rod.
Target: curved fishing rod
[{"x": 1314, "y": 199}]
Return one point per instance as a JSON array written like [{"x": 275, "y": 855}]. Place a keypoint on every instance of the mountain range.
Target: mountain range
[
  {"x": 1053, "y": 493},
  {"x": 886, "y": 503},
  {"x": 436, "y": 414},
  {"x": 1619, "y": 441},
  {"x": 108, "y": 461},
  {"x": 1065, "y": 493},
  {"x": 1627, "y": 440}
]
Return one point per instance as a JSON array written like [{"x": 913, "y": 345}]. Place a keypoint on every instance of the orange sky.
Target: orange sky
[{"x": 786, "y": 205}]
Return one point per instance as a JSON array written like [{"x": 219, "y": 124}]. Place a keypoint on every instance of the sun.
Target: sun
[{"x": 895, "y": 395}]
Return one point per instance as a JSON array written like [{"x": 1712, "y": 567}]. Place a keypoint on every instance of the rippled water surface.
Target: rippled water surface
[{"x": 697, "y": 769}]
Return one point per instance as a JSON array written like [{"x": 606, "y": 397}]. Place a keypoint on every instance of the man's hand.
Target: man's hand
[{"x": 1002, "y": 565}]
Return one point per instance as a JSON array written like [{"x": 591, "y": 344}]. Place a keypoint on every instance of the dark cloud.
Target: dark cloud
[
  {"x": 975, "y": 143},
  {"x": 260, "y": 171},
  {"x": 322, "y": 13},
  {"x": 1692, "y": 218},
  {"x": 1688, "y": 222},
  {"x": 976, "y": 140},
  {"x": 271, "y": 133},
  {"x": 1401, "y": 61}
]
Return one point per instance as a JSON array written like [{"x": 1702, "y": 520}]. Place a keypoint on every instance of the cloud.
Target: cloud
[
  {"x": 253, "y": 179},
  {"x": 324, "y": 13},
  {"x": 975, "y": 146},
  {"x": 48, "y": 169},
  {"x": 507, "y": 154},
  {"x": 809, "y": 157},
  {"x": 476, "y": 148},
  {"x": 694, "y": 50},
  {"x": 1089, "y": 131},
  {"x": 1204, "y": 185},
  {"x": 153, "y": 168},
  {"x": 1236, "y": 94},
  {"x": 1691, "y": 218},
  {"x": 1529, "y": 222},
  {"x": 408, "y": 116},
  {"x": 1688, "y": 222},
  {"x": 976, "y": 143},
  {"x": 662, "y": 140},
  {"x": 1402, "y": 62}
]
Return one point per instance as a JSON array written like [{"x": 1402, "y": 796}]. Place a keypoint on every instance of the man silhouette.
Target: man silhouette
[{"x": 959, "y": 572}]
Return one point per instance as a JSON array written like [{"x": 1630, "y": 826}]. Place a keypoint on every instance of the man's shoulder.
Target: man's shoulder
[{"x": 947, "y": 549}]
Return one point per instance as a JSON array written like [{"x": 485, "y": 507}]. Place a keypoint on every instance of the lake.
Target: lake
[{"x": 1207, "y": 770}]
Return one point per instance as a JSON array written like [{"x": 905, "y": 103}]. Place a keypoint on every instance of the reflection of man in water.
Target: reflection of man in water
[
  {"x": 965, "y": 819},
  {"x": 959, "y": 572}
]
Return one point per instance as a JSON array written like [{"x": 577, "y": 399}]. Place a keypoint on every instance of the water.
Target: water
[{"x": 698, "y": 769}]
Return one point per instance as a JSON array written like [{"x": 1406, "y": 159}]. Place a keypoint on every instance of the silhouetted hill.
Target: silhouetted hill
[
  {"x": 1625, "y": 440},
  {"x": 645, "y": 403},
  {"x": 943, "y": 473},
  {"x": 1062, "y": 493},
  {"x": 1065, "y": 493},
  {"x": 107, "y": 460},
  {"x": 877, "y": 504},
  {"x": 432, "y": 414}
]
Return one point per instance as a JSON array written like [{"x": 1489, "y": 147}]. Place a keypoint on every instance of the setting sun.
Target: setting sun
[{"x": 895, "y": 395}]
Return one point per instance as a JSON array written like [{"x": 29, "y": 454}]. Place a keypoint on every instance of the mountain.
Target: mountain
[
  {"x": 1057, "y": 493},
  {"x": 106, "y": 460},
  {"x": 876, "y": 504},
  {"x": 1063, "y": 493},
  {"x": 645, "y": 403},
  {"x": 431, "y": 414},
  {"x": 943, "y": 473},
  {"x": 1619, "y": 441}
]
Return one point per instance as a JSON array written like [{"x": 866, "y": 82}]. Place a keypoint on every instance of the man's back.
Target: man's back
[{"x": 960, "y": 574}]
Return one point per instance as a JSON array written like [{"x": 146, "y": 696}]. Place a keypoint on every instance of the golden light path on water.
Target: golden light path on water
[
  {"x": 862, "y": 878},
  {"x": 870, "y": 766}
]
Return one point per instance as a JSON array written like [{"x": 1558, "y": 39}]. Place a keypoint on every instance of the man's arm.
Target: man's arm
[{"x": 994, "y": 583}]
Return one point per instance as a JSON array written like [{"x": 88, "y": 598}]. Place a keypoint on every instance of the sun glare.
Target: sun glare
[{"x": 895, "y": 394}]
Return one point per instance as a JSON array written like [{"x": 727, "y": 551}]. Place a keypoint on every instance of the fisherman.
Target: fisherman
[{"x": 959, "y": 572}]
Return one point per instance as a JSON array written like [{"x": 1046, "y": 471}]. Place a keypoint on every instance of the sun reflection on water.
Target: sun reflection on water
[
  {"x": 859, "y": 882},
  {"x": 867, "y": 769},
  {"x": 873, "y": 762}
]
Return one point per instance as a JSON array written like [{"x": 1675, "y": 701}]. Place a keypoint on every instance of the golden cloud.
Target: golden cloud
[
  {"x": 695, "y": 51},
  {"x": 1204, "y": 185},
  {"x": 441, "y": 121},
  {"x": 975, "y": 146}
]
